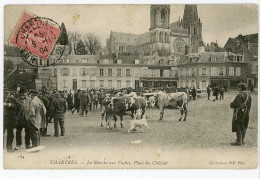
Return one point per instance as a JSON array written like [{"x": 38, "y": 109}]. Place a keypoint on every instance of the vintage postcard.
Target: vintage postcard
[{"x": 154, "y": 86}]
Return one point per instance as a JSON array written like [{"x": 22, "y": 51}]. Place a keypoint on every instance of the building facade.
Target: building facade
[
  {"x": 212, "y": 68},
  {"x": 85, "y": 72}
]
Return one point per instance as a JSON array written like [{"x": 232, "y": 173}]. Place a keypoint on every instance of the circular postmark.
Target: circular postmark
[{"x": 36, "y": 37}]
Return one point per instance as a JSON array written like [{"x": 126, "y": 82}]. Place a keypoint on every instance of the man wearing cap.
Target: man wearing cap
[
  {"x": 59, "y": 108},
  {"x": 241, "y": 106},
  {"x": 22, "y": 119},
  {"x": 37, "y": 118}
]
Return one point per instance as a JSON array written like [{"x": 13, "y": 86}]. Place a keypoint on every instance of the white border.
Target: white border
[{"x": 122, "y": 174}]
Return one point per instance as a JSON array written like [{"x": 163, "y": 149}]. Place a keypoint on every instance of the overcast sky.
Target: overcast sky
[{"x": 219, "y": 22}]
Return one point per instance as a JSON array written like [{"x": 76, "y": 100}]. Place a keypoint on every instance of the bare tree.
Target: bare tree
[
  {"x": 74, "y": 38},
  {"x": 92, "y": 43}
]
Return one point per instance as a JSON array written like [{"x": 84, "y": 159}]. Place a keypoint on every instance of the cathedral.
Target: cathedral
[{"x": 181, "y": 37}]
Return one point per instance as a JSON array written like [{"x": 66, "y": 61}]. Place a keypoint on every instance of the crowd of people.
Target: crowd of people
[{"x": 33, "y": 111}]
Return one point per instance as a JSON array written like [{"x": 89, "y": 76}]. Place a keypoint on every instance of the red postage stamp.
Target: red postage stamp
[{"x": 36, "y": 35}]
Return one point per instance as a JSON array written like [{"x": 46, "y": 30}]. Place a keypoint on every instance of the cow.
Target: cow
[
  {"x": 179, "y": 99},
  {"x": 135, "y": 103},
  {"x": 151, "y": 101},
  {"x": 107, "y": 112}
]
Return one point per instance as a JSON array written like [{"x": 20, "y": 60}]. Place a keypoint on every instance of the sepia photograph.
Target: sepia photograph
[{"x": 130, "y": 86}]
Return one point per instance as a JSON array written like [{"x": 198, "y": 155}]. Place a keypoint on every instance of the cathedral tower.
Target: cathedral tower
[
  {"x": 191, "y": 21},
  {"x": 159, "y": 27}
]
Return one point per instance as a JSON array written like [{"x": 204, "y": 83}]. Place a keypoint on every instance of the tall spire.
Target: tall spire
[{"x": 190, "y": 15}]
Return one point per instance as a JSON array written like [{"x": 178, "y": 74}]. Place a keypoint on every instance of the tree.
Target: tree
[
  {"x": 63, "y": 38},
  {"x": 92, "y": 43},
  {"x": 8, "y": 67},
  {"x": 80, "y": 48},
  {"x": 74, "y": 38}
]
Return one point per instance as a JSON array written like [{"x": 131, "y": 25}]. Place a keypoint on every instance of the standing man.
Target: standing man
[
  {"x": 37, "y": 118},
  {"x": 208, "y": 91},
  {"x": 10, "y": 112},
  {"x": 84, "y": 102},
  {"x": 22, "y": 119},
  {"x": 241, "y": 106},
  {"x": 59, "y": 109},
  {"x": 194, "y": 93},
  {"x": 45, "y": 100}
]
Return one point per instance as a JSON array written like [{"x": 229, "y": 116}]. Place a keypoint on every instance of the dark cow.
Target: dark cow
[{"x": 179, "y": 99}]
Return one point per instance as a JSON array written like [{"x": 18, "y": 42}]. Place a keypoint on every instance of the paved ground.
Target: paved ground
[{"x": 208, "y": 127}]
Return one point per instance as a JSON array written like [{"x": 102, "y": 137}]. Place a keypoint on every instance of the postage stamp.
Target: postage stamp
[{"x": 35, "y": 35}]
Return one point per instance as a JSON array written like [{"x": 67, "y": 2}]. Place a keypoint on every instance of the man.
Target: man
[
  {"x": 44, "y": 97},
  {"x": 10, "y": 112},
  {"x": 37, "y": 118},
  {"x": 208, "y": 91},
  {"x": 76, "y": 102},
  {"x": 194, "y": 93},
  {"x": 241, "y": 106},
  {"x": 221, "y": 93},
  {"x": 84, "y": 102},
  {"x": 22, "y": 119},
  {"x": 215, "y": 93},
  {"x": 59, "y": 108}
]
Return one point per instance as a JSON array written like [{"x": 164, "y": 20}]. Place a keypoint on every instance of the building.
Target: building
[
  {"x": 212, "y": 68},
  {"x": 246, "y": 45},
  {"x": 89, "y": 71},
  {"x": 163, "y": 36}
]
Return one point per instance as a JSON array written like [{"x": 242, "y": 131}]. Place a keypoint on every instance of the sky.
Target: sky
[{"x": 219, "y": 22}]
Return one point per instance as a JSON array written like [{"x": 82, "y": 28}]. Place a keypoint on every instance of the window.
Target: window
[
  {"x": 193, "y": 83},
  {"x": 213, "y": 59},
  {"x": 204, "y": 71},
  {"x": 193, "y": 72},
  {"x": 101, "y": 83},
  {"x": 171, "y": 73},
  {"x": 204, "y": 84},
  {"x": 145, "y": 71},
  {"x": 231, "y": 71},
  {"x": 118, "y": 72},
  {"x": 55, "y": 72},
  {"x": 92, "y": 83},
  {"x": 64, "y": 83},
  {"x": 110, "y": 83},
  {"x": 161, "y": 73},
  {"x": 84, "y": 83},
  {"x": 238, "y": 71},
  {"x": 109, "y": 72},
  {"x": 127, "y": 72},
  {"x": 74, "y": 71},
  {"x": 119, "y": 61},
  {"x": 127, "y": 84},
  {"x": 181, "y": 72},
  {"x": 84, "y": 71},
  {"x": 187, "y": 71},
  {"x": 92, "y": 71},
  {"x": 220, "y": 71},
  {"x": 213, "y": 71},
  {"x": 153, "y": 72},
  {"x": 118, "y": 83},
  {"x": 65, "y": 71},
  {"x": 101, "y": 72}
]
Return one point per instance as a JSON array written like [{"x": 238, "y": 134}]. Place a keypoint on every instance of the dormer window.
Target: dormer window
[{"x": 213, "y": 59}]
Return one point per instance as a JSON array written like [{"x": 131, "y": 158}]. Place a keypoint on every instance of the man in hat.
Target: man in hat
[
  {"x": 59, "y": 109},
  {"x": 44, "y": 97},
  {"x": 241, "y": 106},
  {"x": 37, "y": 118},
  {"x": 22, "y": 119},
  {"x": 84, "y": 102}
]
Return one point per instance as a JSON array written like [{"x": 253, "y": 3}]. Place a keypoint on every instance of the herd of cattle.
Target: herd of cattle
[{"x": 135, "y": 106}]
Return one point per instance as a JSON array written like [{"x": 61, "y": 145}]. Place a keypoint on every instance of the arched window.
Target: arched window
[
  {"x": 163, "y": 14},
  {"x": 165, "y": 37},
  {"x": 161, "y": 37}
]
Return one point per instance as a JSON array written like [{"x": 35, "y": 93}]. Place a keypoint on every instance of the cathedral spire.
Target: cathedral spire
[{"x": 190, "y": 15}]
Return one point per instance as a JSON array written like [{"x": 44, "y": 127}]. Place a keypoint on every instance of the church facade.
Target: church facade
[{"x": 181, "y": 37}]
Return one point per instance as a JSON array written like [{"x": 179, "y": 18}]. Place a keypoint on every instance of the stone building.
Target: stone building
[
  {"x": 163, "y": 36},
  {"x": 246, "y": 45},
  {"x": 86, "y": 71},
  {"x": 212, "y": 68}
]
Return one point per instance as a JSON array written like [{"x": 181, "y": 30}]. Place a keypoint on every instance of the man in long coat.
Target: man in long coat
[
  {"x": 241, "y": 106},
  {"x": 37, "y": 118},
  {"x": 22, "y": 119}
]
